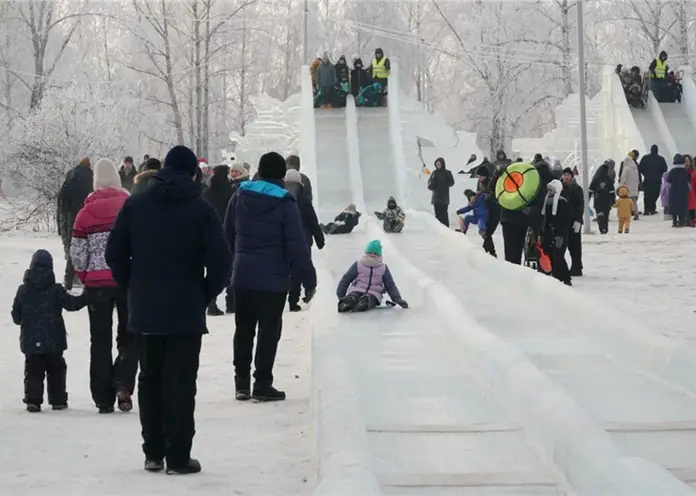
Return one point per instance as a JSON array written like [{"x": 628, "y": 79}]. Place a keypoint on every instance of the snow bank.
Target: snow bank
[
  {"x": 308, "y": 147},
  {"x": 344, "y": 461},
  {"x": 573, "y": 440},
  {"x": 623, "y": 336},
  {"x": 396, "y": 137},
  {"x": 353, "y": 144}
]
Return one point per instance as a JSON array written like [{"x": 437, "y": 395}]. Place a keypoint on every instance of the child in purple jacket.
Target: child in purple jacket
[
  {"x": 664, "y": 196},
  {"x": 362, "y": 286}
]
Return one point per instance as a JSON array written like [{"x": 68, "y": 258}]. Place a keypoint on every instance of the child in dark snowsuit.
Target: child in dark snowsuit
[
  {"x": 557, "y": 222},
  {"x": 362, "y": 286},
  {"x": 479, "y": 213},
  {"x": 393, "y": 217},
  {"x": 344, "y": 223},
  {"x": 37, "y": 308}
]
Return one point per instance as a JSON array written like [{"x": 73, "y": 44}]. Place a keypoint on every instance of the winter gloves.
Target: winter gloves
[{"x": 577, "y": 227}]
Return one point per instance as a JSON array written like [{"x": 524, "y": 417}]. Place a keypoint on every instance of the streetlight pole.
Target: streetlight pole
[
  {"x": 305, "y": 19},
  {"x": 583, "y": 114}
]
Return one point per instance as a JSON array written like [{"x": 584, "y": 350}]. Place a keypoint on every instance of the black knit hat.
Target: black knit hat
[
  {"x": 483, "y": 172},
  {"x": 42, "y": 258},
  {"x": 679, "y": 159},
  {"x": 568, "y": 170},
  {"x": 182, "y": 159},
  {"x": 272, "y": 166}
]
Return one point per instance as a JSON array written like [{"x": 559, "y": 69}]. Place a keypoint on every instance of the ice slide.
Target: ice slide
[{"x": 679, "y": 126}]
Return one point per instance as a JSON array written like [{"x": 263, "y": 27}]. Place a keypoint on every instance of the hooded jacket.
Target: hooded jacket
[
  {"x": 393, "y": 217},
  {"x": 479, "y": 207},
  {"x": 624, "y": 205},
  {"x": 342, "y": 70},
  {"x": 369, "y": 275},
  {"x": 559, "y": 213},
  {"x": 679, "y": 181},
  {"x": 168, "y": 251},
  {"x": 38, "y": 307},
  {"x": 90, "y": 234},
  {"x": 77, "y": 186},
  {"x": 127, "y": 177},
  {"x": 630, "y": 177},
  {"x": 264, "y": 229},
  {"x": 652, "y": 167},
  {"x": 220, "y": 191},
  {"x": 326, "y": 75},
  {"x": 440, "y": 182},
  {"x": 143, "y": 180},
  {"x": 359, "y": 77}
]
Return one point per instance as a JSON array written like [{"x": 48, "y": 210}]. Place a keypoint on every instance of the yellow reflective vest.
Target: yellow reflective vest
[
  {"x": 378, "y": 69},
  {"x": 660, "y": 69}
]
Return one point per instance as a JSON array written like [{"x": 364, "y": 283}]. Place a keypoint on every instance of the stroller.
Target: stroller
[{"x": 534, "y": 255}]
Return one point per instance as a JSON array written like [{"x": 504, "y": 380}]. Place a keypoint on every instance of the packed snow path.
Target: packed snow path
[{"x": 246, "y": 449}]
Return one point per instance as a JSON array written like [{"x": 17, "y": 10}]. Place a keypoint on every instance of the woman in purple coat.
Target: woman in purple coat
[{"x": 362, "y": 286}]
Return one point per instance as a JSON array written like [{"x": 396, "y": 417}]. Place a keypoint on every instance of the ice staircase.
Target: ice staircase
[{"x": 476, "y": 389}]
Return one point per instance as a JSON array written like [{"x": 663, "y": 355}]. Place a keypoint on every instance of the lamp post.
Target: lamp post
[{"x": 583, "y": 115}]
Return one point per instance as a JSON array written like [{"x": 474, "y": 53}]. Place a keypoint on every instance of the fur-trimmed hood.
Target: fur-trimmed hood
[{"x": 145, "y": 175}]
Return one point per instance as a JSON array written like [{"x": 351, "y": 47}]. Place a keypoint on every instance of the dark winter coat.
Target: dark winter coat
[
  {"x": 479, "y": 207},
  {"x": 602, "y": 188},
  {"x": 77, "y": 186},
  {"x": 576, "y": 201},
  {"x": 168, "y": 251},
  {"x": 143, "y": 180},
  {"x": 219, "y": 192},
  {"x": 264, "y": 229},
  {"x": 440, "y": 182},
  {"x": 326, "y": 75},
  {"x": 559, "y": 224},
  {"x": 127, "y": 177},
  {"x": 310, "y": 222},
  {"x": 679, "y": 181},
  {"x": 342, "y": 70},
  {"x": 652, "y": 167},
  {"x": 38, "y": 307},
  {"x": 359, "y": 78},
  {"x": 349, "y": 219}
]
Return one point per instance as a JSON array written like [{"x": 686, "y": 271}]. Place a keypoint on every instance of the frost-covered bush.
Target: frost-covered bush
[{"x": 74, "y": 121}]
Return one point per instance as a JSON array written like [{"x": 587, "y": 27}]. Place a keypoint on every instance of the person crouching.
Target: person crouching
[
  {"x": 393, "y": 217},
  {"x": 478, "y": 215},
  {"x": 362, "y": 286}
]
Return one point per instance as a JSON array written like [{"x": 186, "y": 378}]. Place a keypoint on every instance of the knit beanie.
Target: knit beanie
[
  {"x": 293, "y": 176},
  {"x": 374, "y": 247},
  {"x": 679, "y": 159},
  {"x": 238, "y": 167},
  {"x": 483, "y": 172},
  {"x": 182, "y": 159},
  {"x": 555, "y": 187},
  {"x": 153, "y": 164},
  {"x": 106, "y": 175},
  {"x": 568, "y": 170},
  {"x": 41, "y": 258},
  {"x": 271, "y": 166},
  {"x": 293, "y": 162}
]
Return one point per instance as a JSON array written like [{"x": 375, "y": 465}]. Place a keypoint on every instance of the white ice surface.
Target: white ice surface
[{"x": 245, "y": 448}]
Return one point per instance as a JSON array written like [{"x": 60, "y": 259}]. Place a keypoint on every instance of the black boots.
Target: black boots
[
  {"x": 242, "y": 387},
  {"x": 266, "y": 392},
  {"x": 192, "y": 467}
]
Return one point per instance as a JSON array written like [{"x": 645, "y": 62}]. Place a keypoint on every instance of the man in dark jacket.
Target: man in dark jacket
[
  {"x": 359, "y": 78},
  {"x": 167, "y": 250},
  {"x": 127, "y": 173},
  {"x": 264, "y": 229},
  {"x": 310, "y": 224},
  {"x": 218, "y": 194},
  {"x": 603, "y": 191},
  {"x": 679, "y": 183},
  {"x": 143, "y": 180},
  {"x": 652, "y": 167},
  {"x": 440, "y": 182},
  {"x": 76, "y": 188},
  {"x": 576, "y": 203}
]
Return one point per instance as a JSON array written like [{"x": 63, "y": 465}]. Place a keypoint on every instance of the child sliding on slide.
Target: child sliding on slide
[
  {"x": 362, "y": 286},
  {"x": 479, "y": 213}
]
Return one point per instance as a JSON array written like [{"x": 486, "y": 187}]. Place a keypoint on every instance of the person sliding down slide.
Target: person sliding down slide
[
  {"x": 344, "y": 223},
  {"x": 393, "y": 217},
  {"x": 362, "y": 286},
  {"x": 479, "y": 215}
]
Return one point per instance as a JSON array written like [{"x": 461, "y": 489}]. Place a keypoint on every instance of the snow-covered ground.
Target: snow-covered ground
[{"x": 245, "y": 448}]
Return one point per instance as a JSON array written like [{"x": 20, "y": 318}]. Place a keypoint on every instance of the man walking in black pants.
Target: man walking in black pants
[
  {"x": 576, "y": 203},
  {"x": 167, "y": 250},
  {"x": 264, "y": 230}
]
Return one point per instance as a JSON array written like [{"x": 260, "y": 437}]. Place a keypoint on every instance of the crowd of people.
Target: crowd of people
[
  {"x": 663, "y": 82},
  {"x": 159, "y": 246},
  {"x": 333, "y": 82}
]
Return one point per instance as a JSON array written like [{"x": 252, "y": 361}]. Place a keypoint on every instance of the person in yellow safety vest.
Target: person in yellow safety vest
[
  {"x": 380, "y": 70},
  {"x": 658, "y": 74}
]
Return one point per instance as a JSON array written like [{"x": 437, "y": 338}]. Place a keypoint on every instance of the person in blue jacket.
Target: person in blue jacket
[
  {"x": 264, "y": 230},
  {"x": 479, "y": 212}
]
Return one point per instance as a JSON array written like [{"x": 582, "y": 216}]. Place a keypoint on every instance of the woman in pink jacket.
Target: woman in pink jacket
[{"x": 109, "y": 381}]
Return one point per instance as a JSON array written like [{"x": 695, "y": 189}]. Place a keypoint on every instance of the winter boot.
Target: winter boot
[
  {"x": 214, "y": 310},
  {"x": 104, "y": 409},
  {"x": 125, "y": 401},
  {"x": 62, "y": 406},
  {"x": 242, "y": 387},
  {"x": 575, "y": 272},
  {"x": 154, "y": 465},
  {"x": 265, "y": 392},
  {"x": 346, "y": 304},
  {"x": 192, "y": 467},
  {"x": 294, "y": 307},
  {"x": 33, "y": 408}
]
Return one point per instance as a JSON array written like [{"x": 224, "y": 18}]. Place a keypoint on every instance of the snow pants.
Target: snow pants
[
  {"x": 575, "y": 250},
  {"x": 491, "y": 226},
  {"x": 442, "y": 214},
  {"x": 474, "y": 219},
  {"x": 602, "y": 204},
  {"x": 337, "y": 228},
  {"x": 167, "y": 395},
  {"x": 107, "y": 377},
  {"x": 392, "y": 226},
  {"x": 513, "y": 240},
  {"x": 357, "y": 302},
  {"x": 651, "y": 192},
  {"x": 51, "y": 366},
  {"x": 624, "y": 224},
  {"x": 265, "y": 310}
]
